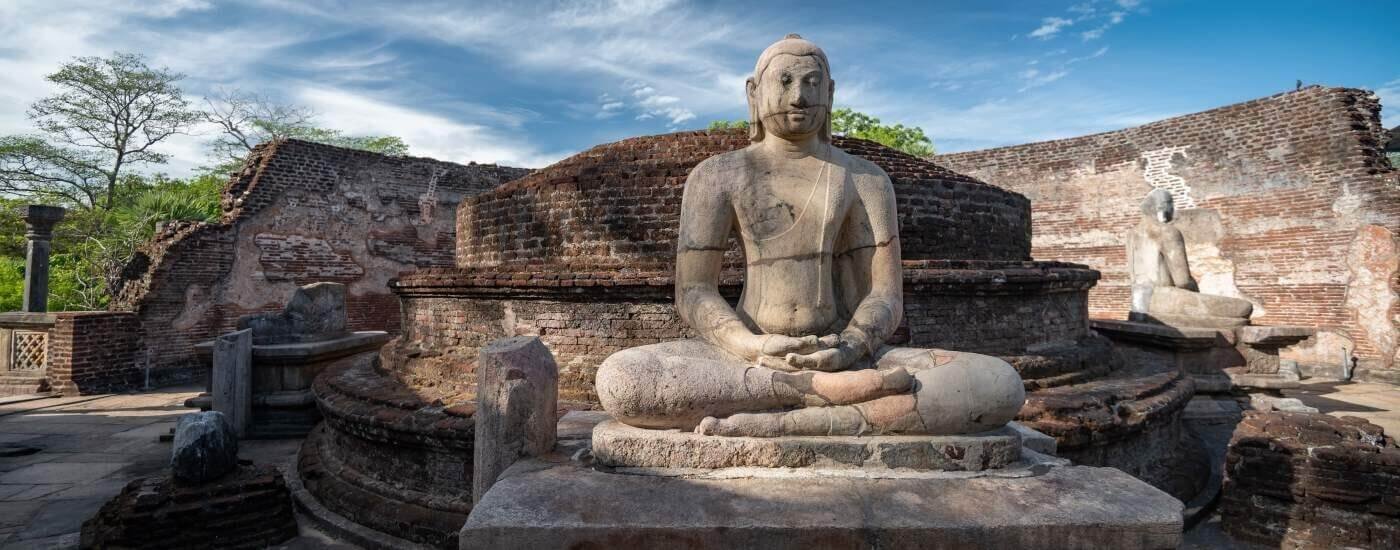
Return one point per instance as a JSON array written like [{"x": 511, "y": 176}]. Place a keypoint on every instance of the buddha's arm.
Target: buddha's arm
[
  {"x": 878, "y": 315},
  {"x": 1174, "y": 251},
  {"x": 707, "y": 217}
]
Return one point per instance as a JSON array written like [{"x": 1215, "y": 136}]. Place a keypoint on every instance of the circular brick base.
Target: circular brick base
[{"x": 619, "y": 445}]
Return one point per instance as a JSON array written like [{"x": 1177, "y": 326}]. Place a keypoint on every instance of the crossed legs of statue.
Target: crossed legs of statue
[{"x": 692, "y": 384}]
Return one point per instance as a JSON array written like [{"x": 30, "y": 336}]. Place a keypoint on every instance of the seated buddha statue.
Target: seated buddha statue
[
  {"x": 1163, "y": 289},
  {"x": 804, "y": 352}
]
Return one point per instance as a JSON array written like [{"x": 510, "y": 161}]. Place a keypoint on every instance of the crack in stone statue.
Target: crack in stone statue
[
  {"x": 1163, "y": 289},
  {"x": 804, "y": 352}
]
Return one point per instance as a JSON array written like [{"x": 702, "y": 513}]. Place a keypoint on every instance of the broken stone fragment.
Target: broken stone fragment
[
  {"x": 316, "y": 312},
  {"x": 205, "y": 447}
]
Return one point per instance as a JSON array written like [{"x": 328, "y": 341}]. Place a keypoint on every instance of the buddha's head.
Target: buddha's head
[
  {"x": 790, "y": 91},
  {"x": 1159, "y": 206}
]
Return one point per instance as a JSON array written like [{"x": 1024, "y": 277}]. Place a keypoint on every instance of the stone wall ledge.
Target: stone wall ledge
[{"x": 552, "y": 281}]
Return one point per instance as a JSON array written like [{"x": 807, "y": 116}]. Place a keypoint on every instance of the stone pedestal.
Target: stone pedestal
[
  {"x": 283, "y": 404},
  {"x": 619, "y": 445},
  {"x": 1219, "y": 359},
  {"x": 555, "y": 503}
]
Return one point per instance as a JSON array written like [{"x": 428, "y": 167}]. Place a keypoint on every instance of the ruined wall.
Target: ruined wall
[
  {"x": 1295, "y": 209},
  {"x": 298, "y": 213},
  {"x": 95, "y": 352}
]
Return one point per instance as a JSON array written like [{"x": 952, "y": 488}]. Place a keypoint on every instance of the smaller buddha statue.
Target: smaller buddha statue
[{"x": 1163, "y": 289}]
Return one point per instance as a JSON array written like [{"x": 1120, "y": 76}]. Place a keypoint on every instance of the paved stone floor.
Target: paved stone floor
[{"x": 88, "y": 448}]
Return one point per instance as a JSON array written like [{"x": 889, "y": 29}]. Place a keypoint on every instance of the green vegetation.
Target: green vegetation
[
  {"x": 90, "y": 138},
  {"x": 850, "y": 123}
]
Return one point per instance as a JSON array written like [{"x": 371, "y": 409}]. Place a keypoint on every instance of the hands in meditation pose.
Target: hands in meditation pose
[{"x": 804, "y": 352}]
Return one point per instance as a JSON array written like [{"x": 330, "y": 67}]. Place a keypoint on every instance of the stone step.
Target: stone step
[{"x": 11, "y": 386}]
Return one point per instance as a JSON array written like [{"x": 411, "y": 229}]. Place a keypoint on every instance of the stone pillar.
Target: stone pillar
[
  {"x": 39, "y": 220},
  {"x": 232, "y": 378},
  {"x": 517, "y": 399}
]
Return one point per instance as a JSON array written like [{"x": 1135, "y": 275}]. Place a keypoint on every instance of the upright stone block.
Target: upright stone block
[
  {"x": 517, "y": 398},
  {"x": 232, "y": 378}
]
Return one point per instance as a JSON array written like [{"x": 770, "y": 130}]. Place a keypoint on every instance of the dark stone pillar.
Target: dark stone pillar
[{"x": 40, "y": 220}]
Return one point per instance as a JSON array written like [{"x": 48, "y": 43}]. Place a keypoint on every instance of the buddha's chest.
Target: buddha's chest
[{"x": 799, "y": 206}]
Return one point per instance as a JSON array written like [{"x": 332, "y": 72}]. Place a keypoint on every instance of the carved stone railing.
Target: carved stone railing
[{"x": 24, "y": 342}]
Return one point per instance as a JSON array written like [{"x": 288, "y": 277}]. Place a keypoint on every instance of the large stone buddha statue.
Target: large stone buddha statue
[
  {"x": 804, "y": 351},
  {"x": 1163, "y": 289}
]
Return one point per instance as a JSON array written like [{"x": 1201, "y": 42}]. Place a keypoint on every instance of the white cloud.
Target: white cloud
[
  {"x": 1390, "y": 103},
  {"x": 425, "y": 133},
  {"x": 1049, "y": 27},
  {"x": 1036, "y": 79},
  {"x": 1097, "y": 54},
  {"x": 1129, "y": 4}
]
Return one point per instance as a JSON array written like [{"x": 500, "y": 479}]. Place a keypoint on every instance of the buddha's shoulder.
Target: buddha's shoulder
[
  {"x": 862, "y": 171},
  {"x": 723, "y": 164}
]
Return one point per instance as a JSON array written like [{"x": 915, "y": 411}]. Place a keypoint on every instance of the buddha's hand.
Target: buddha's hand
[
  {"x": 836, "y": 354},
  {"x": 770, "y": 350}
]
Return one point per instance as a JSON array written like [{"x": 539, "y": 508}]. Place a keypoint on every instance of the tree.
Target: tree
[
  {"x": 850, "y": 123},
  {"x": 246, "y": 119},
  {"x": 107, "y": 117},
  {"x": 911, "y": 140}
]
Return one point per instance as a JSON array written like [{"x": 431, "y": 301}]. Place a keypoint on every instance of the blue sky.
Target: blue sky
[{"x": 529, "y": 83}]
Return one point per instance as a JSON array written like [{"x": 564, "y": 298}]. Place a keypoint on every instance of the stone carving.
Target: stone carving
[
  {"x": 316, "y": 312},
  {"x": 1163, "y": 289},
  {"x": 805, "y": 352}
]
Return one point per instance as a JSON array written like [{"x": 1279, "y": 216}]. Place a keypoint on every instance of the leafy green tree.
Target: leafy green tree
[
  {"x": 729, "y": 124},
  {"x": 107, "y": 117},
  {"x": 850, "y": 123},
  {"x": 246, "y": 119},
  {"x": 911, "y": 140}
]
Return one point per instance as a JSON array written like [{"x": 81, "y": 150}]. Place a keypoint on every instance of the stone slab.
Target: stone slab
[
  {"x": 1276, "y": 336},
  {"x": 1162, "y": 335},
  {"x": 231, "y": 379},
  {"x": 619, "y": 445},
  {"x": 556, "y": 504},
  {"x": 1250, "y": 381},
  {"x": 1034, "y": 440},
  {"x": 304, "y": 352}
]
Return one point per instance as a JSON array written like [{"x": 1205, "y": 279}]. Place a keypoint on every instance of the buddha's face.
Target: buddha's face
[
  {"x": 792, "y": 96},
  {"x": 1160, "y": 205}
]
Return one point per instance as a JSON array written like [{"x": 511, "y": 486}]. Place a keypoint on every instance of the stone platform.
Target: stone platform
[
  {"x": 1219, "y": 359},
  {"x": 556, "y": 503},
  {"x": 619, "y": 445}
]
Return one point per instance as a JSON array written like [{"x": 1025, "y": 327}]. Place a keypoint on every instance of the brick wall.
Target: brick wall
[
  {"x": 1004, "y": 308},
  {"x": 1300, "y": 480},
  {"x": 298, "y": 213},
  {"x": 619, "y": 205},
  {"x": 95, "y": 352},
  {"x": 1295, "y": 209}
]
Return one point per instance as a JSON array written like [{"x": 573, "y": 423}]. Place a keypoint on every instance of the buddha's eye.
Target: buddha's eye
[{"x": 787, "y": 79}]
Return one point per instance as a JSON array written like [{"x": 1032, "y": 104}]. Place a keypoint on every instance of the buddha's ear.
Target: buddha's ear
[{"x": 755, "y": 123}]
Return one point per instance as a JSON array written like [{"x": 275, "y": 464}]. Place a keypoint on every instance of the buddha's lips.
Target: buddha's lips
[{"x": 809, "y": 111}]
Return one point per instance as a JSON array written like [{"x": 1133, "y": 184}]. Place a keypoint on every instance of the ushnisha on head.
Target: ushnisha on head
[
  {"x": 790, "y": 91},
  {"x": 1159, "y": 206}
]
